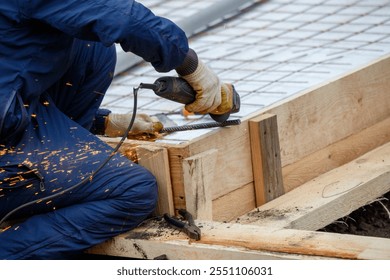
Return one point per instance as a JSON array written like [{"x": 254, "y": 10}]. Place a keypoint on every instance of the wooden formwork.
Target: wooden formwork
[{"x": 285, "y": 172}]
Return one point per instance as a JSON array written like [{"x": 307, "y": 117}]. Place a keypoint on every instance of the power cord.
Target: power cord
[{"x": 90, "y": 178}]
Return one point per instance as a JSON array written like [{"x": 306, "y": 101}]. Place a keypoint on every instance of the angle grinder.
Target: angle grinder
[{"x": 179, "y": 90}]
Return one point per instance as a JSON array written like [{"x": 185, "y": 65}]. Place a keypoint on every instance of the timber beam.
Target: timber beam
[
  {"x": 330, "y": 196},
  {"x": 235, "y": 241}
]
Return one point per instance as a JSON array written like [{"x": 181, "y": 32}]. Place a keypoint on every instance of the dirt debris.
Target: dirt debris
[
  {"x": 372, "y": 219},
  {"x": 154, "y": 228}
]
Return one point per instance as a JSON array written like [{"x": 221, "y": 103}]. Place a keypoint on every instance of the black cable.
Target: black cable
[{"x": 90, "y": 178}]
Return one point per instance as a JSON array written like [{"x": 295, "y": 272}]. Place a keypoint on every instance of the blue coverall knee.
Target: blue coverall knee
[{"x": 56, "y": 152}]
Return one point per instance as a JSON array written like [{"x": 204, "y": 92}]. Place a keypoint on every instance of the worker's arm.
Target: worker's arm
[
  {"x": 128, "y": 23},
  {"x": 133, "y": 26}
]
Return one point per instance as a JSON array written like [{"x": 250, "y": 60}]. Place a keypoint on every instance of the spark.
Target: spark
[
  {"x": 69, "y": 84},
  {"x": 7, "y": 228},
  {"x": 85, "y": 157}
]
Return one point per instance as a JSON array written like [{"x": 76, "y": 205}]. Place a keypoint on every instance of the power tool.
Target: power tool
[{"x": 179, "y": 90}]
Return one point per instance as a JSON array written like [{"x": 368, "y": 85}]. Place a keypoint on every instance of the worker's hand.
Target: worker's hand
[
  {"x": 117, "y": 124},
  {"x": 212, "y": 96}
]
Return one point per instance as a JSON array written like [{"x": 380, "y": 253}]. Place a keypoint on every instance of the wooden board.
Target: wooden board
[
  {"x": 235, "y": 241},
  {"x": 234, "y": 165},
  {"x": 330, "y": 196},
  {"x": 243, "y": 200},
  {"x": 335, "y": 155},
  {"x": 155, "y": 159},
  {"x": 198, "y": 172},
  {"x": 320, "y": 116},
  {"x": 266, "y": 163}
]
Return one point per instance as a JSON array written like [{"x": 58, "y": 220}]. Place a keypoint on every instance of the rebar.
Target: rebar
[{"x": 200, "y": 126}]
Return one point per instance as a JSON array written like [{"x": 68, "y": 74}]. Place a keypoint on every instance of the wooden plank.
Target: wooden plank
[
  {"x": 332, "y": 111},
  {"x": 267, "y": 169},
  {"x": 243, "y": 200},
  {"x": 234, "y": 164},
  {"x": 330, "y": 196},
  {"x": 235, "y": 241},
  {"x": 176, "y": 156},
  {"x": 198, "y": 172},
  {"x": 336, "y": 154},
  {"x": 155, "y": 159}
]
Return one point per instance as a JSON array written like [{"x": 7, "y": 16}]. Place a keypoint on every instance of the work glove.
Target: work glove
[
  {"x": 117, "y": 124},
  {"x": 212, "y": 96}
]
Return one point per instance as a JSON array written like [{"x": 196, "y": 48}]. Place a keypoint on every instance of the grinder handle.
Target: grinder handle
[
  {"x": 179, "y": 90},
  {"x": 176, "y": 89}
]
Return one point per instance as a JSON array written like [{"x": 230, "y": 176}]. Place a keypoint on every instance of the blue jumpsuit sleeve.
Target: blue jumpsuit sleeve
[{"x": 126, "y": 22}]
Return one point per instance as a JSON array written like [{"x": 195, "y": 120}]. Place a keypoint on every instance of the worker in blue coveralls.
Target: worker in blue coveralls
[{"x": 57, "y": 59}]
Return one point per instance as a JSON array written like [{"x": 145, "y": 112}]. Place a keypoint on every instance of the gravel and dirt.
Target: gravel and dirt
[{"x": 370, "y": 220}]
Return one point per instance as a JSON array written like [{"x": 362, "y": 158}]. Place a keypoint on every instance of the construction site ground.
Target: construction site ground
[{"x": 372, "y": 219}]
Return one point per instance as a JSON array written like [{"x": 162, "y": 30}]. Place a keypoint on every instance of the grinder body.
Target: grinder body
[{"x": 179, "y": 90}]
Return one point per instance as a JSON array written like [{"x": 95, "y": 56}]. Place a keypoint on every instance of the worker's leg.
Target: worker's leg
[
  {"x": 116, "y": 199},
  {"x": 63, "y": 153}
]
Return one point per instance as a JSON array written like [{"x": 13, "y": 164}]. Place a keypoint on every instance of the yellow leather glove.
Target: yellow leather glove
[
  {"x": 117, "y": 124},
  {"x": 212, "y": 96}
]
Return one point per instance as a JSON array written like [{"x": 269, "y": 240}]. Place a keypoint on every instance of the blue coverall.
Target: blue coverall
[{"x": 56, "y": 61}]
